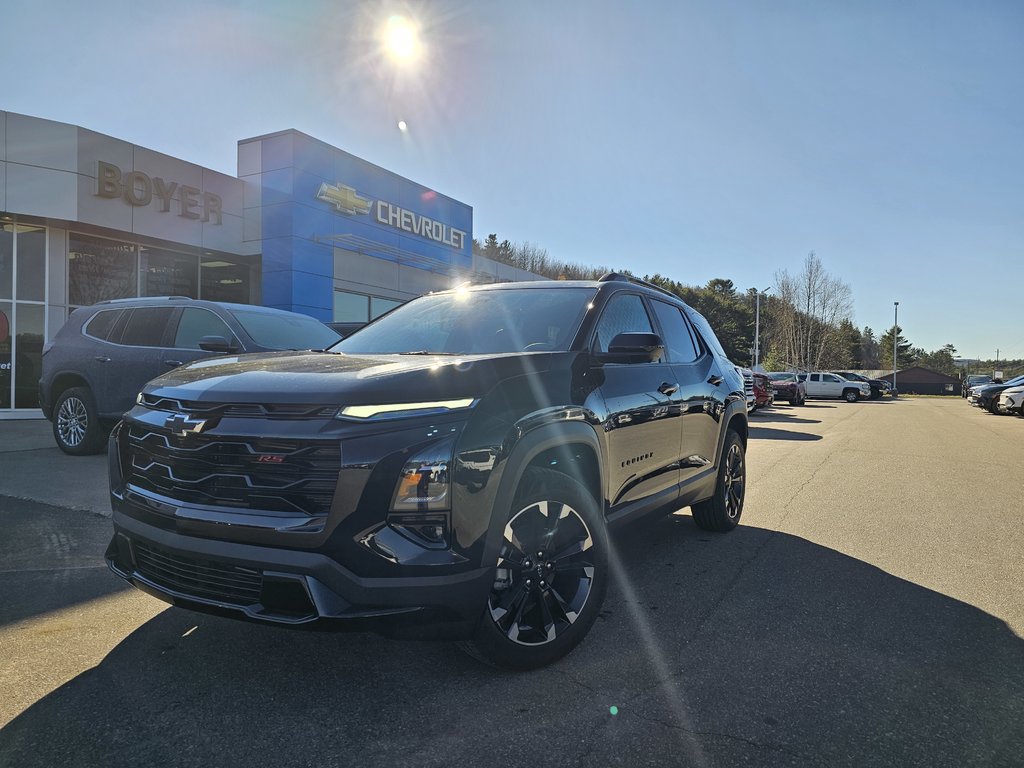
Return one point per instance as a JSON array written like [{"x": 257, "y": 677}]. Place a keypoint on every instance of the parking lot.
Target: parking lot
[{"x": 868, "y": 611}]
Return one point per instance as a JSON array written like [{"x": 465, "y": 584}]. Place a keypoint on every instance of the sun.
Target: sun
[{"x": 402, "y": 39}]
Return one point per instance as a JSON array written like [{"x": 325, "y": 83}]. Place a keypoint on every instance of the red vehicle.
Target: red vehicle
[{"x": 764, "y": 392}]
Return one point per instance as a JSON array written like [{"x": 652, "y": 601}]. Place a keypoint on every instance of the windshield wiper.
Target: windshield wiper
[{"x": 426, "y": 352}]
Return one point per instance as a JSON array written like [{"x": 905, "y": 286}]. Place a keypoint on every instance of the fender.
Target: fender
[{"x": 567, "y": 430}]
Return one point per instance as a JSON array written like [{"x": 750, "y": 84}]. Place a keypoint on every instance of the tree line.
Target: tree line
[{"x": 806, "y": 323}]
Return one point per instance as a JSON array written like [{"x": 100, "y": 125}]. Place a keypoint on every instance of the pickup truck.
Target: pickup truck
[{"x": 821, "y": 384}]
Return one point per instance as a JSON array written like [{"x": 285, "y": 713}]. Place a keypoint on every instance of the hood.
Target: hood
[{"x": 325, "y": 378}]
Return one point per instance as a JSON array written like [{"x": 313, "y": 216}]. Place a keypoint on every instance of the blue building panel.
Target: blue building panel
[{"x": 315, "y": 196}]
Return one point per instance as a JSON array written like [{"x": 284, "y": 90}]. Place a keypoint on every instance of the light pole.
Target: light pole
[
  {"x": 895, "y": 345},
  {"x": 757, "y": 327}
]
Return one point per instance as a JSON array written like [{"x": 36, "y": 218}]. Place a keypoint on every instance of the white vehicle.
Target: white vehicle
[
  {"x": 1011, "y": 399},
  {"x": 821, "y": 384}
]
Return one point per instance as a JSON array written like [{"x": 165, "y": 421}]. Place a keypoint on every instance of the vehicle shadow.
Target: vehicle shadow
[
  {"x": 756, "y": 647},
  {"x": 767, "y": 433},
  {"x": 788, "y": 417},
  {"x": 50, "y": 558}
]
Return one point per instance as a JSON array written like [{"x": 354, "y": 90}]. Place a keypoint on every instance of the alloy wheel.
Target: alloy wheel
[
  {"x": 734, "y": 481},
  {"x": 545, "y": 573},
  {"x": 72, "y": 421}
]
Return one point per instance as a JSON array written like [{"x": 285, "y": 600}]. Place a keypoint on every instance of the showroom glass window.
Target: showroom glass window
[
  {"x": 169, "y": 273},
  {"x": 22, "y": 313},
  {"x": 225, "y": 279},
  {"x": 100, "y": 269}
]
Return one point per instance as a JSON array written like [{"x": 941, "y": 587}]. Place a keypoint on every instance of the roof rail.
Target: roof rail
[
  {"x": 146, "y": 298},
  {"x": 621, "y": 278}
]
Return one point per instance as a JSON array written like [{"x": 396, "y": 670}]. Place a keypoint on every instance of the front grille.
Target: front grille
[
  {"x": 208, "y": 579},
  {"x": 285, "y": 476},
  {"x": 240, "y": 410},
  {"x": 748, "y": 384}
]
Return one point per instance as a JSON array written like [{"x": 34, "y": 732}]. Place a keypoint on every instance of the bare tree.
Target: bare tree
[{"x": 809, "y": 310}]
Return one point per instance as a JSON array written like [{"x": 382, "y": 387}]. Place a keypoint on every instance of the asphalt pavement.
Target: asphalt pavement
[{"x": 869, "y": 611}]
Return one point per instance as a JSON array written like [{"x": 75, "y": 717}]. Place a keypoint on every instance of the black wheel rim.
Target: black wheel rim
[
  {"x": 72, "y": 422},
  {"x": 545, "y": 573},
  {"x": 734, "y": 482}
]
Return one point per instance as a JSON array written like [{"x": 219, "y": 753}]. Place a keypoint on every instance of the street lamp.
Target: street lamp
[
  {"x": 895, "y": 339},
  {"x": 757, "y": 328}
]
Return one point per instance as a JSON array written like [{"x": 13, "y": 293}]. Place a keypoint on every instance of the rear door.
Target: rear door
[
  {"x": 692, "y": 365},
  {"x": 134, "y": 357}
]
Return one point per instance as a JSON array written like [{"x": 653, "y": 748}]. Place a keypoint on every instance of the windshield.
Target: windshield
[
  {"x": 477, "y": 322},
  {"x": 783, "y": 376},
  {"x": 285, "y": 330}
]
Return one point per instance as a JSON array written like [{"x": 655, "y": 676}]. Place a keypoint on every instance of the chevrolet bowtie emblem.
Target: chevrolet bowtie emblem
[
  {"x": 182, "y": 425},
  {"x": 344, "y": 198}
]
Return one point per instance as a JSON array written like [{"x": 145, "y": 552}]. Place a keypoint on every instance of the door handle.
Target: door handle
[
  {"x": 102, "y": 359},
  {"x": 668, "y": 389},
  {"x": 715, "y": 380},
  {"x": 174, "y": 363}
]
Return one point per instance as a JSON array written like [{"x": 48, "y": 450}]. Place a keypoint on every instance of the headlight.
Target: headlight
[
  {"x": 402, "y": 410},
  {"x": 425, "y": 481}
]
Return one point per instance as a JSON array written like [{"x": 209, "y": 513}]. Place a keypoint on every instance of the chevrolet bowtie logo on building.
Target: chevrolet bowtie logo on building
[
  {"x": 344, "y": 198},
  {"x": 182, "y": 425}
]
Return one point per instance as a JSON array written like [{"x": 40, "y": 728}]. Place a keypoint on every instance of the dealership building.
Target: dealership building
[{"x": 304, "y": 226}]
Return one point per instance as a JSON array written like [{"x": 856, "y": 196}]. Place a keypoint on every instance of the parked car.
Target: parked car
[
  {"x": 822, "y": 384},
  {"x": 973, "y": 381},
  {"x": 98, "y": 362},
  {"x": 748, "y": 387},
  {"x": 987, "y": 396},
  {"x": 879, "y": 387},
  {"x": 788, "y": 386},
  {"x": 1010, "y": 400},
  {"x": 764, "y": 392},
  {"x": 457, "y": 463}
]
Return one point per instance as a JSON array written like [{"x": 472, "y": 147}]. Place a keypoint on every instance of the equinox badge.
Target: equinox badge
[{"x": 181, "y": 424}]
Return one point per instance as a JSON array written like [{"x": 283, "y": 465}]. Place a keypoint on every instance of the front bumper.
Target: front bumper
[{"x": 288, "y": 587}]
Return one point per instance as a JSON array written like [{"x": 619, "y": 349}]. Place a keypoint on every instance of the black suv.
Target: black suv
[
  {"x": 455, "y": 464},
  {"x": 98, "y": 362}
]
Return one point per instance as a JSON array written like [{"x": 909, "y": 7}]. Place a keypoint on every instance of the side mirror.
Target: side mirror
[
  {"x": 634, "y": 348},
  {"x": 216, "y": 344}
]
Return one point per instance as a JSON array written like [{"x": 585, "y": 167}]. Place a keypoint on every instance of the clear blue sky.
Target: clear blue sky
[{"x": 694, "y": 139}]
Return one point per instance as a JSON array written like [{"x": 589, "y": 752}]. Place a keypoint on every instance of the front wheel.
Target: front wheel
[
  {"x": 722, "y": 511},
  {"x": 550, "y": 578},
  {"x": 850, "y": 396}
]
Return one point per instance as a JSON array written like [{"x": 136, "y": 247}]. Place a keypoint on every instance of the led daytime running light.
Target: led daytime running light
[{"x": 398, "y": 409}]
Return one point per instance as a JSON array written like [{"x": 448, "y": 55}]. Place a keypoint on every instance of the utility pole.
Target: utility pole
[{"x": 895, "y": 345}]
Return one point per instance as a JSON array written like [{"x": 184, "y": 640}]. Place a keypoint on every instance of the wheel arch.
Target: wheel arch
[{"x": 576, "y": 451}]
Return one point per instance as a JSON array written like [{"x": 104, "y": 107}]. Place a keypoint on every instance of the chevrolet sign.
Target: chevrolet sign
[{"x": 346, "y": 200}]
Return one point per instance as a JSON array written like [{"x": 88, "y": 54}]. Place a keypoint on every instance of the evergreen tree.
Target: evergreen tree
[{"x": 904, "y": 354}]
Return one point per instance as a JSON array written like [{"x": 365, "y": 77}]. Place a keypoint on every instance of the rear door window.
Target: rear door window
[
  {"x": 196, "y": 323},
  {"x": 146, "y": 327}
]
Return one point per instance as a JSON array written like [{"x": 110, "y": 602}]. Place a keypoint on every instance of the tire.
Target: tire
[
  {"x": 550, "y": 578},
  {"x": 850, "y": 395},
  {"x": 993, "y": 406},
  {"x": 722, "y": 511},
  {"x": 76, "y": 425}
]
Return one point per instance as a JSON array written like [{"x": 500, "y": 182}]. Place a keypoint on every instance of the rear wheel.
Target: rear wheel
[
  {"x": 76, "y": 425},
  {"x": 722, "y": 511},
  {"x": 550, "y": 577}
]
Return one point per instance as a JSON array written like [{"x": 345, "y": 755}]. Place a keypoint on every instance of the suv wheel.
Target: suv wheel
[
  {"x": 550, "y": 578},
  {"x": 722, "y": 511},
  {"x": 850, "y": 395},
  {"x": 76, "y": 426}
]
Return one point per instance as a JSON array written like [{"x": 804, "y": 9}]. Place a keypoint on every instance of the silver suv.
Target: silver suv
[{"x": 104, "y": 354}]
